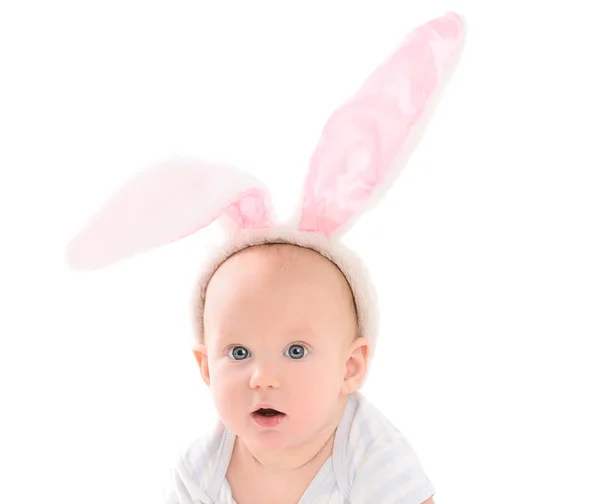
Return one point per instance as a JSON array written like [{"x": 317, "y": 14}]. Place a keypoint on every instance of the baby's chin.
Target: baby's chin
[
  {"x": 271, "y": 441},
  {"x": 282, "y": 436}
]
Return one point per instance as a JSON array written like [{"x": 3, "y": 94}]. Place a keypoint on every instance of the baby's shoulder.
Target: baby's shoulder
[
  {"x": 370, "y": 431},
  {"x": 380, "y": 463},
  {"x": 194, "y": 467},
  {"x": 200, "y": 453}
]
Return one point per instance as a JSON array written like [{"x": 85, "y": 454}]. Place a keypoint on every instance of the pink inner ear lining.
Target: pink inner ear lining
[
  {"x": 349, "y": 165},
  {"x": 377, "y": 121},
  {"x": 251, "y": 210},
  {"x": 451, "y": 24}
]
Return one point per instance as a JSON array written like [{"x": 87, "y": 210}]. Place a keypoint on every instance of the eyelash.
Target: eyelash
[{"x": 306, "y": 351}]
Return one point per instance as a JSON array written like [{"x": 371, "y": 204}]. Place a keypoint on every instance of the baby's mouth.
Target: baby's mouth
[
  {"x": 268, "y": 418},
  {"x": 267, "y": 412}
]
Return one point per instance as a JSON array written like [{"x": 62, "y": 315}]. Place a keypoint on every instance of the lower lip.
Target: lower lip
[{"x": 268, "y": 421}]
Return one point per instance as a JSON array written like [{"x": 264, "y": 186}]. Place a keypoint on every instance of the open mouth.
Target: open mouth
[
  {"x": 267, "y": 412},
  {"x": 267, "y": 417}
]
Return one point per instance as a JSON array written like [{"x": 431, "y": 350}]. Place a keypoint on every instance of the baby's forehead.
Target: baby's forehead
[
  {"x": 284, "y": 254},
  {"x": 279, "y": 335},
  {"x": 279, "y": 261},
  {"x": 283, "y": 287}
]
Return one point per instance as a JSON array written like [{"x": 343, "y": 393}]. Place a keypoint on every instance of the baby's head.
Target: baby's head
[{"x": 280, "y": 330}]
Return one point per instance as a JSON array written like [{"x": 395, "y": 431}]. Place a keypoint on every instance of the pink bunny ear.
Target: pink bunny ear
[
  {"x": 169, "y": 201},
  {"x": 364, "y": 138}
]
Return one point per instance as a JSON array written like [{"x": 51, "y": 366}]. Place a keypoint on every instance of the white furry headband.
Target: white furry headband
[{"x": 363, "y": 146}]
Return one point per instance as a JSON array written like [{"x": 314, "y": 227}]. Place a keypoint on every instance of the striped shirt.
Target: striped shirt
[{"x": 372, "y": 462}]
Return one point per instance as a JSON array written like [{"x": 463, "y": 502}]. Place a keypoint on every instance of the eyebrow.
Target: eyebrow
[{"x": 302, "y": 335}]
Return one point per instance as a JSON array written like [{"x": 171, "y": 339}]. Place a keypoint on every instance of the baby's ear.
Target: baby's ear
[
  {"x": 356, "y": 365},
  {"x": 201, "y": 356}
]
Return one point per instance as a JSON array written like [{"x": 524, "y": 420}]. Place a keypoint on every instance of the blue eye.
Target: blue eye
[
  {"x": 296, "y": 352},
  {"x": 239, "y": 353}
]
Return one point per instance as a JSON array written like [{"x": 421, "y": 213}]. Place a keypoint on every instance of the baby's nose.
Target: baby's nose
[{"x": 264, "y": 375}]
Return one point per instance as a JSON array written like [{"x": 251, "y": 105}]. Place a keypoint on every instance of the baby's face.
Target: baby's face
[{"x": 280, "y": 332}]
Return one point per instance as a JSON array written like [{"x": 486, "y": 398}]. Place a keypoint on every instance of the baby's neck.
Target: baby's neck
[
  {"x": 283, "y": 477},
  {"x": 276, "y": 463},
  {"x": 251, "y": 479}
]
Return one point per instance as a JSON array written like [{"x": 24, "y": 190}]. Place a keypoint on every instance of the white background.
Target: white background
[{"x": 485, "y": 252}]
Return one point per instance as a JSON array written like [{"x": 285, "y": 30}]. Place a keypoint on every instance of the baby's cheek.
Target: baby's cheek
[
  {"x": 226, "y": 398},
  {"x": 321, "y": 383}
]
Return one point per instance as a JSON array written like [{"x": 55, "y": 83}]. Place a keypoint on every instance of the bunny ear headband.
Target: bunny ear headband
[{"x": 363, "y": 145}]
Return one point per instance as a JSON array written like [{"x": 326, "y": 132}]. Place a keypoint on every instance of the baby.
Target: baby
[
  {"x": 283, "y": 356},
  {"x": 285, "y": 315}
]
